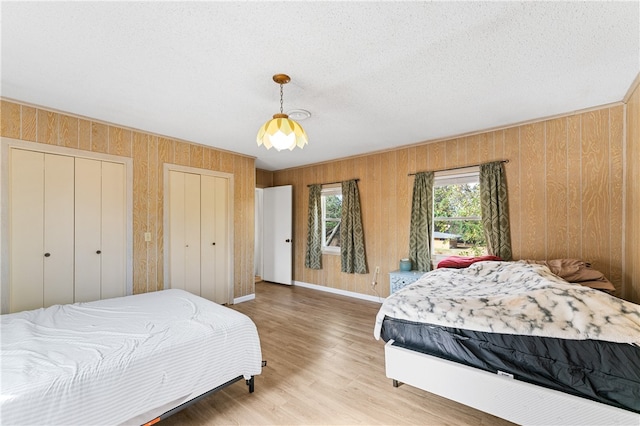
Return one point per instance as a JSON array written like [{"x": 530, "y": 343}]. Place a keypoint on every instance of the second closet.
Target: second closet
[{"x": 199, "y": 242}]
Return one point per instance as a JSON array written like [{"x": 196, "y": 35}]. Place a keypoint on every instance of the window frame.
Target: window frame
[
  {"x": 328, "y": 190},
  {"x": 452, "y": 177}
]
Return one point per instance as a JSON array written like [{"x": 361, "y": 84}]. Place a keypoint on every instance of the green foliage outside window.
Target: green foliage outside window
[
  {"x": 457, "y": 211},
  {"x": 333, "y": 214}
]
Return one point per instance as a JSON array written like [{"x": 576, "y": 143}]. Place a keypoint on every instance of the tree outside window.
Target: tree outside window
[
  {"x": 457, "y": 221},
  {"x": 331, "y": 216}
]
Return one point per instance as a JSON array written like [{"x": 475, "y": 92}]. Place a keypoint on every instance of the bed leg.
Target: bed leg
[
  {"x": 396, "y": 383},
  {"x": 251, "y": 384}
]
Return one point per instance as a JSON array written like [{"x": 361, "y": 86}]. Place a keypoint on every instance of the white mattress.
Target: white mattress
[{"x": 118, "y": 360}]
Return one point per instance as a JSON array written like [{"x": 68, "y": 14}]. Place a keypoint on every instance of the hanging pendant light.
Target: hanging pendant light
[{"x": 281, "y": 132}]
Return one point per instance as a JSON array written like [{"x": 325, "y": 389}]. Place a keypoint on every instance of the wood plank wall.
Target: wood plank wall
[
  {"x": 149, "y": 153},
  {"x": 565, "y": 178},
  {"x": 632, "y": 218},
  {"x": 264, "y": 178}
]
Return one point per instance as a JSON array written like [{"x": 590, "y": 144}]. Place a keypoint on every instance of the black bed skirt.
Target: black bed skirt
[{"x": 602, "y": 371}]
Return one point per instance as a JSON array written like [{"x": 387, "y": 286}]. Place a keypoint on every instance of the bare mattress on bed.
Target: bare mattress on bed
[
  {"x": 520, "y": 320},
  {"x": 120, "y": 360},
  {"x": 602, "y": 371}
]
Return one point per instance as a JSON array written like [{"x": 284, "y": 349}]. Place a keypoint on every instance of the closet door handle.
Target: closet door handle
[
  {"x": 47, "y": 254},
  {"x": 98, "y": 251},
  {"x": 213, "y": 244},
  {"x": 287, "y": 240}
]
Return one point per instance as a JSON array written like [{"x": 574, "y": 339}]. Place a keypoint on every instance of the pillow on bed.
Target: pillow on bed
[
  {"x": 578, "y": 272},
  {"x": 463, "y": 262},
  {"x": 604, "y": 285}
]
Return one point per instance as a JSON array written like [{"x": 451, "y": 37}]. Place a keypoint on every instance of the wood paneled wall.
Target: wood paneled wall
[
  {"x": 264, "y": 178},
  {"x": 149, "y": 153},
  {"x": 565, "y": 179},
  {"x": 632, "y": 217}
]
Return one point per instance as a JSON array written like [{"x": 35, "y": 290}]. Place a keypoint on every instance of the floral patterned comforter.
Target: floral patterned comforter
[{"x": 513, "y": 298}]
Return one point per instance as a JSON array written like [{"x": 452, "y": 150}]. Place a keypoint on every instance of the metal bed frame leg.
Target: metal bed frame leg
[{"x": 184, "y": 405}]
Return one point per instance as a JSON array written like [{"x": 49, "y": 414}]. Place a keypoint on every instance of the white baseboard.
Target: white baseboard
[
  {"x": 353, "y": 294},
  {"x": 244, "y": 298}
]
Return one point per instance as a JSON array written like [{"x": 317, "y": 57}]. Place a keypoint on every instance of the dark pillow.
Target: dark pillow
[{"x": 463, "y": 262}]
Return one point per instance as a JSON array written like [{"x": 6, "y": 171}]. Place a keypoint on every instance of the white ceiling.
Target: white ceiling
[{"x": 374, "y": 75}]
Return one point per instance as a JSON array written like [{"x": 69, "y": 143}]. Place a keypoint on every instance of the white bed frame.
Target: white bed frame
[{"x": 502, "y": 396}]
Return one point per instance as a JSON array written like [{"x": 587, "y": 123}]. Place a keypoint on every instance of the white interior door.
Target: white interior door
[
  {"x": 277, "y": 238},
  {"x": 258, "y": 249}
]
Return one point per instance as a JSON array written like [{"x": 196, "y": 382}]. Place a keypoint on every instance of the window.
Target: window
[
  {"x": 457, "y": 221},
  {"x": 331, "y": 198}
]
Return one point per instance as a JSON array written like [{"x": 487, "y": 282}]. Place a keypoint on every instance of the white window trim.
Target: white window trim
[
  {"x": 327, "y": 190},
  {"x": 450, "y": 177}
]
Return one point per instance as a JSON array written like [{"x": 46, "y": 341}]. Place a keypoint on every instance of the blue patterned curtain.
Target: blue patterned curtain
[
  {"x": 495, "y": 209},
  {"x": 421, "y": 221},
  {"x": 313, "y": 257},
  {"x": 352, "y": 253}
]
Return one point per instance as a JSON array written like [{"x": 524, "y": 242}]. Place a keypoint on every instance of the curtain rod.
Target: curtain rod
[
  {"x": 331, "y": 183},
  {"x": 457, "y": 168}
]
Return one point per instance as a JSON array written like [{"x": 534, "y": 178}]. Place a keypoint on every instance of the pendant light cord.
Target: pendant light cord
[{"x": 281, "y": 98}]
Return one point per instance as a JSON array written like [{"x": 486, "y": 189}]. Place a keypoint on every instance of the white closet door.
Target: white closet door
[
  {"x": 113, "y": 229},
  {"x": 65, "y": 212},
  {"x": 214, "y": 232},
  {"x": 222, "y": 283},
  {"x": 88, "y": 207},
  {"x": 26, "y": 230},
  {"x": 209, "y": 245},
  {"x": 192, "y": 232},
  {"x": 199, "y": 234},
  {"x": 58, "y": 229},
  {"x": 176, "y": 230}
]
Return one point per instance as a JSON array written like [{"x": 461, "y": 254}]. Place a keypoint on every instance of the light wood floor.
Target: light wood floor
[{"x": 324, "y": 367}]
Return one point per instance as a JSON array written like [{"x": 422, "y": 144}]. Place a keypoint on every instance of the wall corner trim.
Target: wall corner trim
[
  {"x": 246, "y": 298},
  {"x": 634, "y": 84}
]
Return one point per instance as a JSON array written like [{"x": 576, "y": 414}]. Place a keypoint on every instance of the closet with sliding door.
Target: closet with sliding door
[
  {"x": 198, "y": 206},
  {"x": 65, "y": 226}
]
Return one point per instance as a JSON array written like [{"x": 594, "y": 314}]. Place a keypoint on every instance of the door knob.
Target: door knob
[
  {"x": 98, "y": 251},
  {"x": 213, "y": 244},
  {"x": 47, "y": 254},
  {"x": 287, "y": 240}
]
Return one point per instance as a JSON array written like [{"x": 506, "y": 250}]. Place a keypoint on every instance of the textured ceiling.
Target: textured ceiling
[{"x": 374, "y": 75}]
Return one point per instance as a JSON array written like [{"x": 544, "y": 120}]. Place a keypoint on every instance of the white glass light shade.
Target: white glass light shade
[{"x": 282, "y": 133}]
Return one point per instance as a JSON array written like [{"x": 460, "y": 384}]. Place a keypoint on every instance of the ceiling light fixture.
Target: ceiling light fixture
[{"x": 281, "y": 132}]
